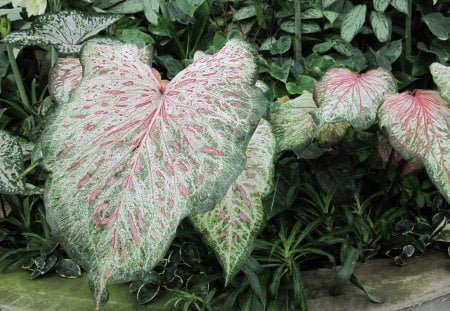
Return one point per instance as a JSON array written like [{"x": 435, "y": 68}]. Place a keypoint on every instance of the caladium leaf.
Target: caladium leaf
[
  {"x": 231, "y": 227},
  {"x": 65, "y": 30},
  {"x": 130, "y": 156},
  {"x": 293, "y": 125},
  {"x": 441, "y": 76},
  {"x": 418, "y": 126},
  {"x": 65, "y": 76},
  {"x": 345, "y": 96}
]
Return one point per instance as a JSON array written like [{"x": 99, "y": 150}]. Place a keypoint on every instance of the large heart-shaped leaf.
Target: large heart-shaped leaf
[
  {"x": 231, "y": 227},
  {"x": 418, "y": 126},
  {"x": 65, "y": 30},
  {"x": 65, "y": 76},
  {"x": 345, "y": 96},
  {"x": 130, "y": 156},
  {"x": 293, "y": 125},
  {"x": 441, "y": 76}
]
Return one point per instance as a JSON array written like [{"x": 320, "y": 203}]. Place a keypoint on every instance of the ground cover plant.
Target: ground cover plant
[{"x": 340, "y": 179}]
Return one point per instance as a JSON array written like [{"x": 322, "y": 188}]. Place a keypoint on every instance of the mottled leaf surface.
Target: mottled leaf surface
[
  {"x": 381, "y": 5},
  {"x": 232, "y": 226},
  {"x": 441, "y": 76},
  {"x": 65, "y": 30},
  {"x": 345, "y": 96},
  {"x": 293, "y": 125},
  {"x": 65, "y": 76},
  {"x": 353, "y": 22},
  {"x": 418, "y": 126},
  {"x": 130, "y": 156},
  {"x": 381, "y": 26},
  {"x": 11, "y": 164}
]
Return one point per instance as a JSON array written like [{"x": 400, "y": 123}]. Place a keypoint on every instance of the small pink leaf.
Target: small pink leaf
[
  {"x": 345, "y": 96},
  {"x": 231, "y": 227},
  {"x": 130, "y": 156},
  {"x": 418, "y": 126}
]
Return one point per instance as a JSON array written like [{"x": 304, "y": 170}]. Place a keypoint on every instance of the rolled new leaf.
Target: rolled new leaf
[
  {"x": 441, "y": 76},
  {"x": 232, "y": 226},
  {"x": 345, "y": 96},
  {"x": 65, "y": 30},
  {"x": 418, "y": 126},
  {"x": 130, "y": 156}
]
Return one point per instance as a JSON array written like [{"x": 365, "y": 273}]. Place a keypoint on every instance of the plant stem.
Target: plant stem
[
  {"x": 298, "y": 31},
  {"x": 408, "y": 30},
  {"x": 18, "y": 78}
]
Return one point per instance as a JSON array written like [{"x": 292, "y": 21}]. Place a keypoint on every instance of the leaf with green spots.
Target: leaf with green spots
[
  {"x": 231, "y": 227},
  {"x": 65, "y": 30},
  {"x": 345, "y": 96},
  {"x": 381, "y": 5},
  {"x": 381, "y": 26},
  {"x": 293, "y": 125},
  {"x": 353, "y": 22},
  {"x": 133, "y": 155},
  {"x": 418, "y": 127},
  {"x": 11, "y": 164},
  {"x": 441, "y": 76}
]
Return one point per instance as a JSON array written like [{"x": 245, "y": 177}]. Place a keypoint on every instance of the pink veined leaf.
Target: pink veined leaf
[
  {"x": 345, "y": 96},
  {"x": 441, "y": 76},
  {"x": 65, "y": 76},
  {"x": 131, "y": 156},
  {"x": 418, "y": 126},
  {"x": 232, "y": 226}
]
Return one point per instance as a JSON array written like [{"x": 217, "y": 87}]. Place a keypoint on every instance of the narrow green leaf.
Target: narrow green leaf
[
  {"x": 293, "y": 126},
  {"x": 353, "y": 22},
  {"x": 346, "y": 271},
  {"x": 381, "y": 25},
  {"x": 418, "y": 126},
  {"x": 441, "y": 76},
  {"x": 65, "y": 30},
  {"x": 381, "y": 5},
  {"x": 231, "y": 227}
]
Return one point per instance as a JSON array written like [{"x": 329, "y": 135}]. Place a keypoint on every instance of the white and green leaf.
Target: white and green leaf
[
  {"x": 134, "y": 156},
  {"x": 381, "y": 5},
  {"x": 345, "y": 96},
  {"x": 65, "y": 30},
  {"x": 401, "y": 5},
  {"x": 353, "y": 22},
  {"x": 441, "y": 76},
  {"x": 381, "y": 26},
  {"x": 11, "y": 164},
  {"x": 293, "y": 125},
  {"x": 418, "y": 127},
  {"x": 232, "y": 226},
  {"x": 64, "y": 77}
]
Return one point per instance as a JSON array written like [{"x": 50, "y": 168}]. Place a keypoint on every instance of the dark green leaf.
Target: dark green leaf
[
  {"x": 245, "y": 12},
  {"x": 147, "y": 293},
  {"x": 189, "y": 6},
  {"x": 136, "y": 37},
  {"x": 355, "y": 280},
  {"x": 381, "y": 5},
  {"x": 404, "y": 226},
  {"x": 68, "y": 269},
  {"x": 281, "y": 73},
  {"x": 438, "y": 24},
  {"x": 346, "y": 271},
  {"x": 302, "y": 83},
  {"x": 391, "y": 51}
]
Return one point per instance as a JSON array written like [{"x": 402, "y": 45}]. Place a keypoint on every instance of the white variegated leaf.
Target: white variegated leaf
[
  {"x": 418, "y": 127},
  {"x": 65, "y": 76},
  {"x": 65, "y": 30},
  {"x": 441, "y": 76},
  {"x": 231, "y": 227},
  {"x": 11, "y": 164},
  {"x": 381, "y": 26},
  {"x": 133, "y": 155},
  {"x": 345, "y": 96},
  {"x": 381, "y": 5},
  {"x": 353, "y": 22}
]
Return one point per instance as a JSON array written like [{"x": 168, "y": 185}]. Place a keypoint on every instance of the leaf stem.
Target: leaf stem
[
  {"x": 18, "y": 78},
  {"x": 298, "y": 31},
  {"x": 408, "y": 23}
]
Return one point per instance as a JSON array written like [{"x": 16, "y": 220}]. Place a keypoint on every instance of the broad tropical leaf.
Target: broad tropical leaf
[
  {"x": 293, "y": 125},
  {"x": 353, "y": 22},
  {"x": 231, "y": 227},
  {"x": 441, "y": 76},
  {"x": 345, "y": 96},
  {"x": 65, "y": 30},
  {"x": 65, "y": 76},
  {"x": 130, "y": 156},
  {"x": 381, "y": 25},
  {"x": 418, "y": 126},
  {"x": 11, "y": 164}
]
